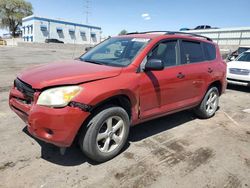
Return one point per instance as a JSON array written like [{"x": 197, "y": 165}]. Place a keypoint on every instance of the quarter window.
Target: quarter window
[
  {"x": 209, "y": 50},
  {"x": 191, "y": 52}
]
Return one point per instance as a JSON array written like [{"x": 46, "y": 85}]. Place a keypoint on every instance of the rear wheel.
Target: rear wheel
[
  {"x": 209, "y": 104},
  {"x": 106, "y": 134}
]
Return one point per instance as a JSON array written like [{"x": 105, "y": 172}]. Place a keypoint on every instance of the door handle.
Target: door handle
[
  {"x": 210, "y": 70},
  {"x": 180, "y": 75}
]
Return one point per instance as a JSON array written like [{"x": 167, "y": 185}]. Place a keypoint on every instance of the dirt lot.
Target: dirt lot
[{"x": 174, "y": 151}]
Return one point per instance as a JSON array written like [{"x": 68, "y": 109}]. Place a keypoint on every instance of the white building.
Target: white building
[
  {"x": 37, "y": 29},
  {"x": 238, "y": 36}
]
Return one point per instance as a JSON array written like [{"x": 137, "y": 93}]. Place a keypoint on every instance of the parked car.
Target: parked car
[
  {"x": 204, "y": 27},
  {"x": 238, "y": 71},
  {"x": 88, "y": 48},
  {"x": 184, "y": 29},
  {"x": 3, "y": 42},
  {"x": 232, "y": 56},
  {"x": 53, "y": 41},
  {"x": 96, "y": 98}
]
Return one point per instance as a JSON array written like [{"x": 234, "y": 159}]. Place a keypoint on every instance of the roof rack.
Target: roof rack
[
  {"x": 146, "y": 32},
  {"x": 190, "y": 34},
  {"x": 172, "y": 33}
]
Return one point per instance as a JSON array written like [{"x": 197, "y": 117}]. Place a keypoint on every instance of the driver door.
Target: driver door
[{"x": 162, "y": 91}]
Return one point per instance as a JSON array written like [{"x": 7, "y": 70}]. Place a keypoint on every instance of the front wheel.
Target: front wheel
[
  {"x": 209, "y": 104},
  {"x": 106, "y": 134}
]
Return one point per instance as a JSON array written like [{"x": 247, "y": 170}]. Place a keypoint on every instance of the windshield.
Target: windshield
[
  {"x": 242, "y": 49},
  {"x": 115, "y": 51},
  {"x": 244, "y": 57}
]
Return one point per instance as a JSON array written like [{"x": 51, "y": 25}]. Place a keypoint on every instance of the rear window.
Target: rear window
[
  {"x": 191, "y": 52},
  {"x": 210, "y": 51}
]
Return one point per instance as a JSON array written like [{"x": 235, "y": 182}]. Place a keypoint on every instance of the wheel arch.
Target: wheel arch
[
  {"x": 120, "y": 100},
  {"x": 217, "y": 84}
]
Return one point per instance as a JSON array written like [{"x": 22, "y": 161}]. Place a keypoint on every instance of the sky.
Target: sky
[{"x": 142, "y": 15}]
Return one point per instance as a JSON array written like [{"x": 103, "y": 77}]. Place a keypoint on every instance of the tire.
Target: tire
[
  {"x": 106, "y": 134},
  {"x": 208, "y": 106}
]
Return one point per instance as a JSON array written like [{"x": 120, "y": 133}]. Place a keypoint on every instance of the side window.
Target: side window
[
  {"x": 191, "y": 52},
  {"x": 210, "y": 51},
  {"x": 166, "y": 52}
]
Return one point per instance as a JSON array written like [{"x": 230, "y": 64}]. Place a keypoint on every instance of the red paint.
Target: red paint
[
  {"x": 152, "y": 94},
  {"x": 66, "y": 73}
]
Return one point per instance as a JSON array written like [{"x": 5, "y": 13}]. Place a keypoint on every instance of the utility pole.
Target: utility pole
[{"x": 87, "y": 10}]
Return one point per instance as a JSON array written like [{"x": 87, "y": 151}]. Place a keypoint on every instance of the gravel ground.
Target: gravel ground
[{"x": 174, "y": 151}]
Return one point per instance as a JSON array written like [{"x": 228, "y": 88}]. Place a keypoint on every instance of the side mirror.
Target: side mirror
[
  {"x": 231, "y": 58},
  {"x": 154, "y": 65}
]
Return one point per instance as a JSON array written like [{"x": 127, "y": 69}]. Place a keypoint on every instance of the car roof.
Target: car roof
[
  {"x": 244, "y": 47},
  {"x": 166, "y": 34}
]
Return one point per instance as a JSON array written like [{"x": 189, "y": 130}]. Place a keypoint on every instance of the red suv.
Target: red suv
[{"x": 123, "y": 81}]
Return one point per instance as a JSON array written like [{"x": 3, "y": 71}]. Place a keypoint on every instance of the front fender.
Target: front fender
[{"x": 95, "y": 93}]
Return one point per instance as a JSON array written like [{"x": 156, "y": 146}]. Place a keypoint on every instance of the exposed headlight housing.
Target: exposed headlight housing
[{"x": 58, "y": 96}]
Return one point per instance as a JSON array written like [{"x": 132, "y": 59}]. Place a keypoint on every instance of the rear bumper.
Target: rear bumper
[{"x": 58, "y": 126}]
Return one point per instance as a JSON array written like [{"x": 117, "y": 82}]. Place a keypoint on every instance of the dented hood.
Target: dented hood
[{"x": 66, "y": 73}]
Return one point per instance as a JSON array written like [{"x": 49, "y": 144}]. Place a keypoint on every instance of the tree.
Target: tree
[
  {"x": 123, "y": 32},
  {"x": 12, "y": 12}
]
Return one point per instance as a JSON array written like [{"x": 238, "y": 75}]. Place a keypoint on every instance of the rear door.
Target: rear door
[{"x": 198, "y": 69}]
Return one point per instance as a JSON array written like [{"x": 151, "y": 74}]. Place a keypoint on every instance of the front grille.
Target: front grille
[
  {"x": 24, "y": 88},
  {"x": 239, "y": 71}
]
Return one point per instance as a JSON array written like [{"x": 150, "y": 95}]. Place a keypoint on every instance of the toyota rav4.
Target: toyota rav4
[{"x": 121, "y": 82}]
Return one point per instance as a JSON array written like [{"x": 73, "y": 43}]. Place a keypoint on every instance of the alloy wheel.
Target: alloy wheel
[
  {"x": 110, "y": 134},
  {"x": 212, "y": 102}
]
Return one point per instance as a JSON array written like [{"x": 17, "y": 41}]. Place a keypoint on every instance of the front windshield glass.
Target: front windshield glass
[
  {"x": 242, "y": 49},
  {"x": 244, "y": 57},
  {"x": 115, "y": 51}
]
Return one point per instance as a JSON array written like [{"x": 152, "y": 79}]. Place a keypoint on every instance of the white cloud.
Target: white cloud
[{"x": 146, "y": 16}]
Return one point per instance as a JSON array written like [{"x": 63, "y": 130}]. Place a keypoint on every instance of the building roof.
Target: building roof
[
  {"x": 33, "y": 17},
  {"x": 219, "y": 30}
]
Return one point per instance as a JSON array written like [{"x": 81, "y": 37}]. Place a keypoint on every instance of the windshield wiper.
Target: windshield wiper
[
  {"x": 92, "y": 61},
  {"x": 100, "y": 63}
]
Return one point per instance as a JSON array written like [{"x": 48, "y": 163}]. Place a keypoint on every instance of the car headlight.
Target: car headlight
[{"x": 59, "y": 96}]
